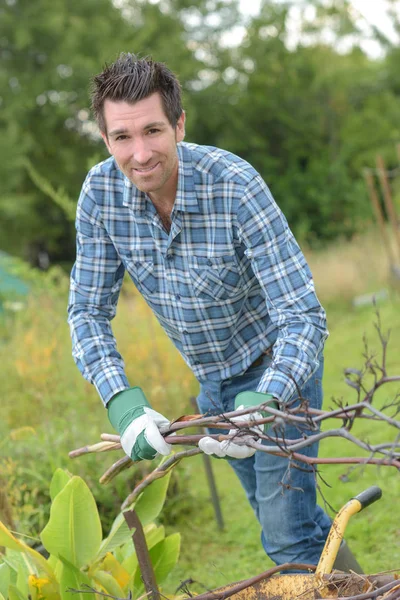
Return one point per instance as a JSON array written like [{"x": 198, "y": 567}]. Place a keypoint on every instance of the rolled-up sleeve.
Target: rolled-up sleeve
[
  {"x": 95, "y": 284},
  {"x": 288, "y": 288}
]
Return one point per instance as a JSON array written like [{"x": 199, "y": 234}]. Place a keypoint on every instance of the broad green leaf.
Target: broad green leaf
[
  {"x": 112, "y": 566},
  {"x": 2, "y": 597},
  {"x": 119, "y": 534},
  {"x": 17, "y": 559},
  {"x": 58, "y": 482},
  {"x": 164, "y": 556},
  {"x": 73, "y": 578},
  {"x": 74, "y": 528},
  {"x": 130, "y": 564},
  {"x": 22, "y": 579},
  {"x": 154, "y": 535},
  {"x": 15, "y": 594},
  {"x": 9, "y": 541},
  {"x": 108, "y": 583},
  {"x": 150, "y": 502},
  {"x": 122, "y": 552},
  {"x": 4, "y": 579}
]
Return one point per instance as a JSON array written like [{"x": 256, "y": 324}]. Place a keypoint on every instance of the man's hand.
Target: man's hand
[
  {"x": 228, "y": 448},
  {"x": 138, "y": 425}
]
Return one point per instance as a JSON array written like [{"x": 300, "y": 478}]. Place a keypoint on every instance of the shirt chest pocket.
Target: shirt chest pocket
[
  {"x": 141, "y": 268},
  {"x": 215, "y": 277}
]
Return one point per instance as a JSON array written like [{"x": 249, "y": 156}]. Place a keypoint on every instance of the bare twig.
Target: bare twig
[{"x": 160, "y": 471}]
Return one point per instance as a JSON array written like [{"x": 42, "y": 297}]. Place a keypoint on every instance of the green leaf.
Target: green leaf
[
  {"x": 130, "y": 564},
  {"x": 30, "y": 556},
  {"x": 5, "y": 573},
  {"x": 119, "y": 534},
  {"x": 108, "y": 582},
  {"x": 74, "y": 528},
  {"x": 15, "y": 594},
  {"x": 164, "y": 557},
  {"x": 150, "y": 502},
  {"x": 73, "y": 578},
  {"x": 2, "y": 597},
  {"x": 58, "y": 482},
  {"x": 22, "y": 580},
  {"x": 154, "y": 535}
]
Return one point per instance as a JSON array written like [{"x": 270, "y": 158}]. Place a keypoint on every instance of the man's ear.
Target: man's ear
[
  {"x": 105, "y": 140},
  {"x": 180, "y": 127}
]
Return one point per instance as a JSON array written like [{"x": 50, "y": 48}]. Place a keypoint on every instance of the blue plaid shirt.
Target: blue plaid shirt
[{"x": 226, "y": 283}]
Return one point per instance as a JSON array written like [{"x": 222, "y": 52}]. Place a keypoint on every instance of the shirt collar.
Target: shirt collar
[{"x": 185, "y": 200}]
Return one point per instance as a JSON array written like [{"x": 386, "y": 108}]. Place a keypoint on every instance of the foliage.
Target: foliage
[
  {"x": 308, "y": 116},
  {"x": 78, "y": 556}
]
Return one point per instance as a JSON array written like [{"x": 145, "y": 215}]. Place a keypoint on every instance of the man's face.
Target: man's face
[{"x": 143, "y": 143}]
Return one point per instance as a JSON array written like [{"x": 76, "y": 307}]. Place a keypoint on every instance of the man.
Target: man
[{"x": 205, "y": 244}]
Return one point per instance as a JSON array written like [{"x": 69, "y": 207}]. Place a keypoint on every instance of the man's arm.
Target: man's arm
[
  {"x": 95, "y": 284},
  {"x": 288, "y": 288},
  {"x": 96, "y": 281},
  {"x": 293, "y": 307}
]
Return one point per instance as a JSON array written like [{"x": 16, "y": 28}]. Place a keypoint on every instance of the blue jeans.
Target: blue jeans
[{"x": 282, "y": 494}]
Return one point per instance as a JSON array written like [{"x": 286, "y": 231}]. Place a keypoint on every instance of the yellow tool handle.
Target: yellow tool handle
[{"x": 338, "y": 527}]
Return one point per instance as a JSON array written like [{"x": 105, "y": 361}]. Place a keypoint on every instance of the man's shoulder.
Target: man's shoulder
[{"x": 218, "y": 164}]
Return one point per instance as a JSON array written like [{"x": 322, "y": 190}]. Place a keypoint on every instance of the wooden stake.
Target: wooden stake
[
  {"x": 379, "y": 216},
  {"x": 142, "y": 553},
  {"x": 387, "y": 195}
]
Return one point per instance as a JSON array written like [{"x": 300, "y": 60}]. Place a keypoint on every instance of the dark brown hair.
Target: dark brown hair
[{"x": 130, "y": 79}]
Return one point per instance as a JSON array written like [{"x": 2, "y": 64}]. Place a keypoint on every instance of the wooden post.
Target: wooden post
[
  {"x": 379, "y": 216},
  {"x": 211, "y": 483},
  {"x": 142, "y": 553},
  {"x": 387, "y": 195}
]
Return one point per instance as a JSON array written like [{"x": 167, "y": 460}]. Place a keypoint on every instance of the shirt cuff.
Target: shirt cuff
[
  {"x": 109, "y": 382},
  {"x": 278, "y": 384}
]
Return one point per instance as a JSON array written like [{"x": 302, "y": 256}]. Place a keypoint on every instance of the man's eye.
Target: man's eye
[
  {"x": 153, "y": 131},
  {"x": 120, "y": 137}
]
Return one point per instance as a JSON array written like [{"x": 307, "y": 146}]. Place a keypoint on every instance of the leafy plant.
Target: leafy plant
[{"x": 78, "y": 556}]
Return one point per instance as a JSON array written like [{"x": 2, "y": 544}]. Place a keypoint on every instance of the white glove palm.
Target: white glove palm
[
  {"x": 142, "y": 438},
  {"x": 228, "y": 448}
]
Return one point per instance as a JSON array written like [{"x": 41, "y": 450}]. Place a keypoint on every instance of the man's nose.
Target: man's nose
[{"x": 141, "y": 152}]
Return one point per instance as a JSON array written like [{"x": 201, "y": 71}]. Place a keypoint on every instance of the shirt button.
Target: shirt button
[
  {"x": 185, "y": 331},
  {"x": 209, "y": 263},
  {"x": 170, "y": 256},
  {"x": 196, "y": 362},
  {"x": 177, "y": 297}
]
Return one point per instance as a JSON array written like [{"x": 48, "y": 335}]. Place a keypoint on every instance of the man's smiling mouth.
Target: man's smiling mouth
[{"x": 145, "y": 170}]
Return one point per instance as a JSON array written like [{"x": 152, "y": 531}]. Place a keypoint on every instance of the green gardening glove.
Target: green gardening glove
[
  {"x": 228, "y": 448},
  {"x": 138, "y": 425},
  {"x": 248, "y": 399}
]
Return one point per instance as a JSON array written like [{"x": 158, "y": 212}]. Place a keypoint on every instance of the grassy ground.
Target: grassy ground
[{"x": 44, "y": 393}]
